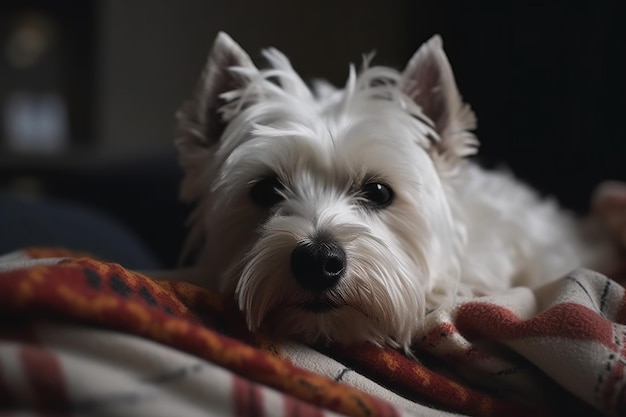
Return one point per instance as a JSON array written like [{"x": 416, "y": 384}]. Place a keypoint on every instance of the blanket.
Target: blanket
[{"x": 82, "y": 336}]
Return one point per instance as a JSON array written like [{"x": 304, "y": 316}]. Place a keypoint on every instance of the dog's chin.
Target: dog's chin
[
  {"x": 319, "y": 306},
  {"x": 326, "y": 322}
]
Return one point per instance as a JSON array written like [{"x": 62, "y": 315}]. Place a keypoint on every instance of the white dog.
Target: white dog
[{"x": 348, "y": 214}]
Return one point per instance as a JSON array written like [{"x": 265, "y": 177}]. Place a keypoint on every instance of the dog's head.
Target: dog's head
[{"x": 324, "y": 211}]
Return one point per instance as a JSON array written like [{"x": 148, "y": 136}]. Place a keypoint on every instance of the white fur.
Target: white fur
[{"x": 452, "y": 229}]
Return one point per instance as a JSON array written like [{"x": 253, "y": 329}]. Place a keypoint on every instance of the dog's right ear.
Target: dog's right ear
[{"x": 200, "y": 121}]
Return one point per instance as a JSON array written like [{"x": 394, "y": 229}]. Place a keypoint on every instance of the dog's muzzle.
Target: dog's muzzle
[{"x": 318, "y": 265}]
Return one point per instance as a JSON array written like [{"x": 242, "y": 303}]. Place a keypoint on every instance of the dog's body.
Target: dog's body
[{"x": 346, "y": 215}]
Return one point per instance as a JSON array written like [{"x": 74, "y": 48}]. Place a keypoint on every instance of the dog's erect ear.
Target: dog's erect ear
[
  {"x": 200, "y": 117},
  {"x": 200, "y": 124},
  {"x": 429, "y": 81}
]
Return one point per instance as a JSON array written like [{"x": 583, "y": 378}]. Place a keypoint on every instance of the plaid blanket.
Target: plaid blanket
[{"x": 81, "y": 336}]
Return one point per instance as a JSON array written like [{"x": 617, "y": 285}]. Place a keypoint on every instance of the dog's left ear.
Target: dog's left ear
[{"x": 429, "y": 81}]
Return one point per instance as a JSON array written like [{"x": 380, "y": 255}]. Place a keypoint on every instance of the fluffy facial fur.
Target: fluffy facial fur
[{"x": 374, "y": 178}]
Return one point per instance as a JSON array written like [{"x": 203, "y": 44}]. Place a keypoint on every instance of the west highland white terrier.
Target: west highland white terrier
[{"x": 347, "y": 214}]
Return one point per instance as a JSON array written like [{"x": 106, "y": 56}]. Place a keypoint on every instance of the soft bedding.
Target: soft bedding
[{"x": 82, "y": 336}]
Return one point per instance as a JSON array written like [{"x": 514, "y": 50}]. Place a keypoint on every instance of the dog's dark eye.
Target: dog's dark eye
[
  {"x": 266, "y": 192},
  {"x": 378, "y": 195}
]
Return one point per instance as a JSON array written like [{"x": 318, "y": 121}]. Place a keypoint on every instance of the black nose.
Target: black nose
[{"x": 318, "y": 265}]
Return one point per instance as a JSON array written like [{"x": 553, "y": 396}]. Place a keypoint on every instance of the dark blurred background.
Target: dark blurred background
[{"x": 88, "y": 92}]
